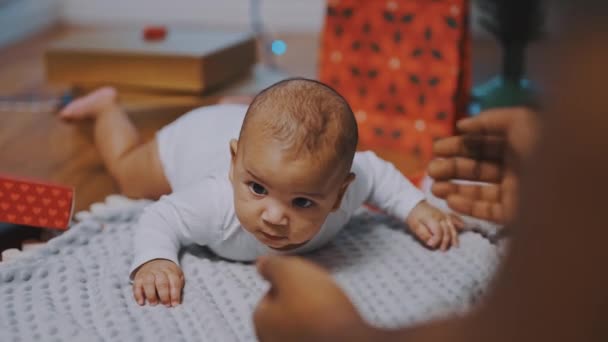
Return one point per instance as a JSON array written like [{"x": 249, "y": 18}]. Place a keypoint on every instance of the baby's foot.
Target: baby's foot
[{"x": 90, "y": 105}]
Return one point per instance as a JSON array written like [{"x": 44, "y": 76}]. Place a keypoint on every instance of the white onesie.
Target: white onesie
[{"x": 194, "y": 151}]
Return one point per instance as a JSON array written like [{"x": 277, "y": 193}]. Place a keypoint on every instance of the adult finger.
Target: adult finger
[
  {"x": 284, "y": 274},
  {"x": 495, "y": 121},
  {"x": 491, "y": 211},
  {"x": 265, "y": 316},
  {"x": 465, "y": 169},
  {"x": 485, "y": 192},
  {"x": 474, "y": 146},
  {"x": 277, "y": 269}
]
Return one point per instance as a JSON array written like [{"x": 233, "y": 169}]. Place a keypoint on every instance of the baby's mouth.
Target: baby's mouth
[{"x": 273, "y": 237}]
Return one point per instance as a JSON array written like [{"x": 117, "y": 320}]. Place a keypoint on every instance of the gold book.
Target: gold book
[{"x": 185, "y": 61}]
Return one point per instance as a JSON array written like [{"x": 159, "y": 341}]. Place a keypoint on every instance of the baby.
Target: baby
[{"x": 288, "y": 185}]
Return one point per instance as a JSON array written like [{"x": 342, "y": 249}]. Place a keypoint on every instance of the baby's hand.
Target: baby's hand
[
  {"x": 158, "y": 279},
  {"x": 434, "y": 227}
]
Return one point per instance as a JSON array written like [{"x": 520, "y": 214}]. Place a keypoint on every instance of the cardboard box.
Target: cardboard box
[{"x": 184, "y": 61}]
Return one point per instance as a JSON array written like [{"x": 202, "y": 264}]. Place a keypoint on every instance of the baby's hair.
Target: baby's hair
[{"x": 306, "y": 116}]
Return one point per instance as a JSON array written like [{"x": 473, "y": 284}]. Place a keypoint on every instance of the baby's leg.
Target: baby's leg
[{"x": 135, "y": 165}]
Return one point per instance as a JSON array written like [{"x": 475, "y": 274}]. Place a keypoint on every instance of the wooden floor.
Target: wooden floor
[{"x": 40, "y": 146}]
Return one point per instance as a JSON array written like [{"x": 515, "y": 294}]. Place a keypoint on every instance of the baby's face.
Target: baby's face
[{"x": 281, "y": 200}]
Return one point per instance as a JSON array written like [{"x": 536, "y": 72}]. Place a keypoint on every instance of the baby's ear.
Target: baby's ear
[
  {"x": 349, "y": 179},
  {"x": 233, "y": 146}
]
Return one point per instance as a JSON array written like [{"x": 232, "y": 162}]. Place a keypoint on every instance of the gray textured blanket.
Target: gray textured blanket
[{"x": 76, "y": 287}]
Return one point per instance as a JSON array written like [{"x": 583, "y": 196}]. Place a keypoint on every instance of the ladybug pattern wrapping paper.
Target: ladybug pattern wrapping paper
[{"x": 404, "y": 67}]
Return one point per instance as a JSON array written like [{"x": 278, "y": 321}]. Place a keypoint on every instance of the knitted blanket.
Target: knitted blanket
[{"x": 76, "y": 287}]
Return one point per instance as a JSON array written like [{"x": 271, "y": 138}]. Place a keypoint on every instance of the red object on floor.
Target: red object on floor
[
  {"x": 35, "y": 203},
  {"x": 155, "y": 33},
  {"x": 404, "y": 67}
]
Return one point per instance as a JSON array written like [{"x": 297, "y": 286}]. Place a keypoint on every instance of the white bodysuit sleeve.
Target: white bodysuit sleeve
[
  {"x": 384, "y": 186},
  {"x": 192, "y": 216}
]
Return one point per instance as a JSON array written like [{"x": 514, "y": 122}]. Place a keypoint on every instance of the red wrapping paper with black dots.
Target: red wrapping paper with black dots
[
  {"x": 35, "y": 203},
  {"x": 404, "y": 67}
]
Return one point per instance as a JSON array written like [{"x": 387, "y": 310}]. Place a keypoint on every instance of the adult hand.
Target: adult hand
[
  {"x": 305, "y": 304},
  {"x": 490, "y": 149}
]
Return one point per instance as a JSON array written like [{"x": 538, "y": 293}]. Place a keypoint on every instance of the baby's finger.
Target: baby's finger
[
  {"x": 453, "y": 233},
  {"x": 445, "y": 239},
  {"x": 422, "y": 232},
  {"x": 176, "y": 280},
  {"x": 162, "y": 288},
  {"x": 434, "y": 227},
  {"x": 138, "y": 291},
  {"x": 457, "y": 222},
  {"x": 150, "y": 288}
]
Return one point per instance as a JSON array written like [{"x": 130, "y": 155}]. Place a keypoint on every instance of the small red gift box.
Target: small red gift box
[{"x": 35, "y": 203}]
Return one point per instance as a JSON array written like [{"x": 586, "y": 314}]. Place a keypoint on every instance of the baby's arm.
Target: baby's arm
[
  {"x": 159, "y": 235},
  {"x": 387, "y": 189},
  {"x": 176, "y": 220}
]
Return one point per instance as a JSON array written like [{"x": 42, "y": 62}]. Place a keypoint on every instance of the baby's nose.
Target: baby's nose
[{"x": 275, "y": 215}]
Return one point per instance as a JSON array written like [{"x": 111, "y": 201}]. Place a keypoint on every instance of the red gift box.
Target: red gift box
[
  {"x": 404, "y": 67},
  {"x": 35, "y": 203}
]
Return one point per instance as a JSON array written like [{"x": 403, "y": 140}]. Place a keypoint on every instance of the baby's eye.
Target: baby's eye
[
  {"x": 301, "y": 202},
  {"x": 257, "y": 189}
]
